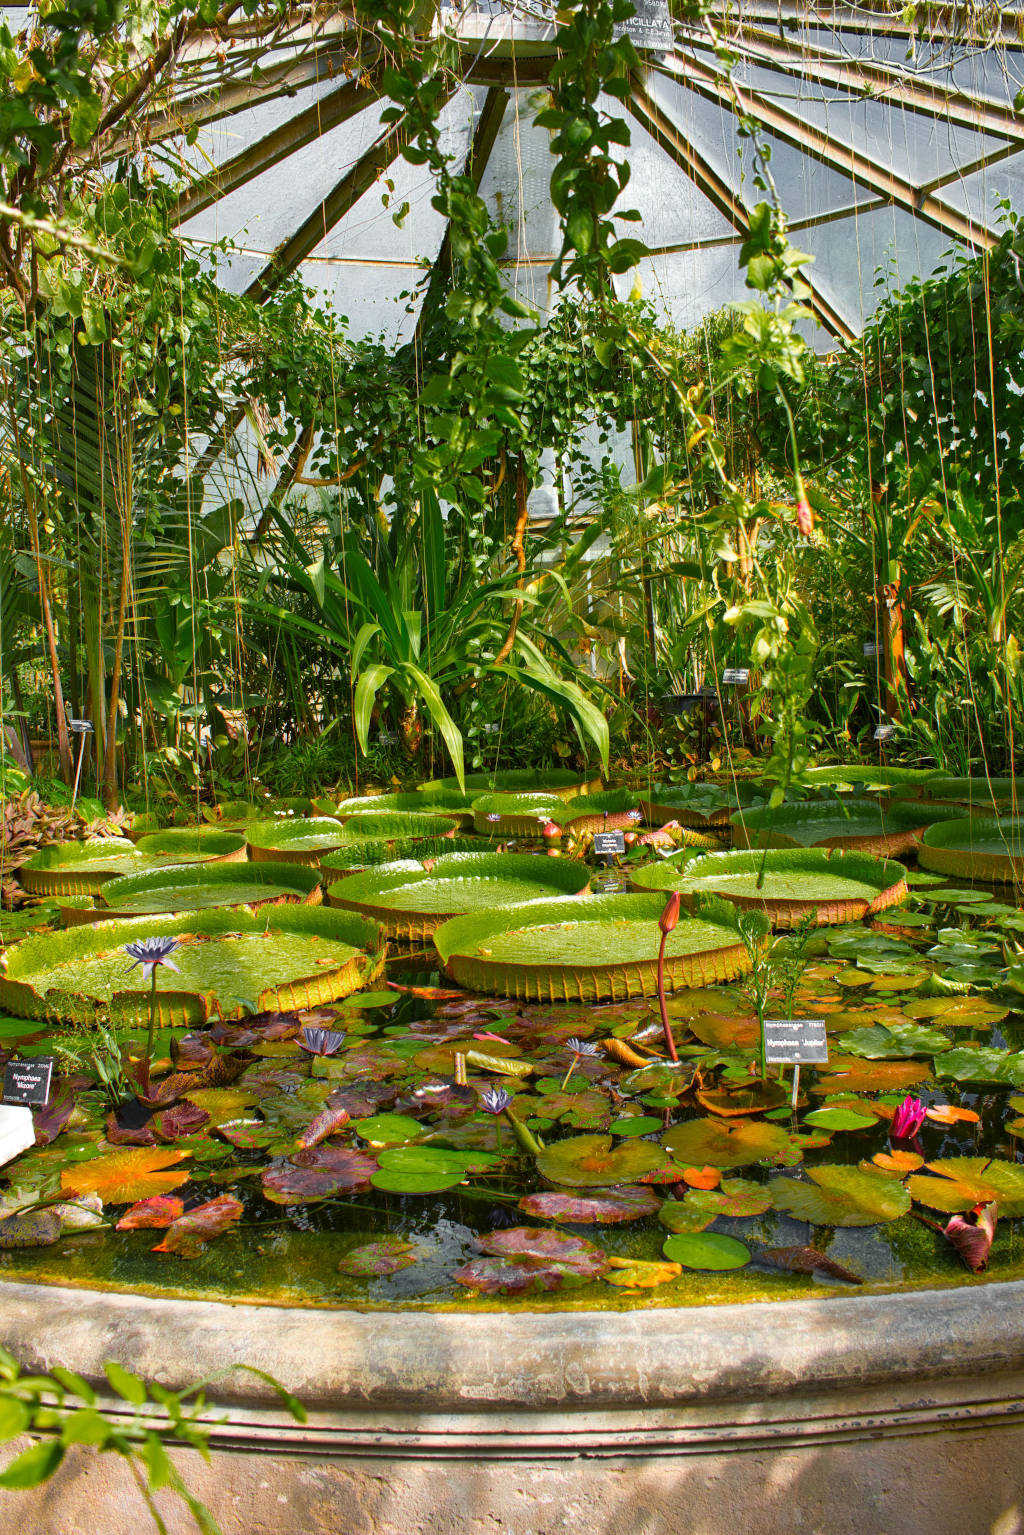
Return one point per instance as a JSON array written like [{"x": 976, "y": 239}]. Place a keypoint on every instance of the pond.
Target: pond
[{"x": 646, "y": 1184}]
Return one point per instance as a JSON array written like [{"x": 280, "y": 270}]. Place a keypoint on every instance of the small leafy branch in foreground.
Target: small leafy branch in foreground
[{"x": 60, "y": 1409}]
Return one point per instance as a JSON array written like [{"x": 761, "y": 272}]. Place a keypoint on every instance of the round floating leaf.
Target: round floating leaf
[
  {"x": 498, "y": 1276},
  {"x": 962, "y": 1182},
  {"x": 707, "y": 1250},
  {"x": 1002, "y": 1067},
  {"x": 188, "y": 1235},
  {"x": 532, "y": 1244},
  {"x": 636, "y": 1124},
  {"x": 376, "y": 1260},
  {"x": 748, "y": 1098},
  {"x": 725, "y": 1144},
  {"x": 640, "y": 1273},
  {"x": 679, "y": 1215},
  {"x": 591, "y": 1161},
  {"x": 317, "y": 1174},
  {"x": 896, "y": 1041},
  {"x": 846, "y": 1074},
  {"x": 840, "y": 1119},
  {"x": 841, "y": 1196},
  {"x": 388, "y": 1129},
  {"x": 608, "y": 1208},
  {"x": 420, "y": 1170},
  {"x": 123, "y": 1177},
  {"x": 155, "y": 1213}
]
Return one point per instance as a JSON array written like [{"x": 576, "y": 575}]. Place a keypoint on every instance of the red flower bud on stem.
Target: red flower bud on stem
[{"x": 666, "y": 922}]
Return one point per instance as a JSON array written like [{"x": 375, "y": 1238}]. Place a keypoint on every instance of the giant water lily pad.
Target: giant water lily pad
[
  {"x": 411, "y": 900},
  {"x": 697, "y": 805},
  {"x": 959, "y": 1183},
  {"x": 788, "y": 884},
  {"x": 516, "y": 815},
  {"x": 586, "y": 948},
  {"x": 605, "y": 810},
  {"x": 228, "y": 962},
  {"x": 193, "y": 844},
  {"x": 80, "y": 868},
  {"x": 200, "y": 887},
  {"x": 726, "y": 1143},
  {"x": 841, "y": 1196},
  {"x": 982, "y": 847},
  {"x": 563, "y": 783},
  {"x": 594, "y": 1161},
  {"x": 849, "y": 823},
  {"x": 303, "y": 841}
]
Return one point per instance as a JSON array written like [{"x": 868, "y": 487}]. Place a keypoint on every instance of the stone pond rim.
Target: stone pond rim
[{"x": 421, "y": 1418}]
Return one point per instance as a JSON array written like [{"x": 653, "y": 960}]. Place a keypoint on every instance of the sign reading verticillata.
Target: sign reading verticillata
[{"x": 736, "y": 676}]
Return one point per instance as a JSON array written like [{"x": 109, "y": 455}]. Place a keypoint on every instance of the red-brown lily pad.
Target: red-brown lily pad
[
  {"x": 188, "y": 1235},
  {"x": 376, "y": 1260},
  {"x": 317, "y": 1174},
  {"x": 609, "y": 1208},
  {"x": 533, "y": 1244},
  {"x": 497, "y": 1276},
  {"x": 153, "y": 1214},
  {"x": 183, "y": 1119}
]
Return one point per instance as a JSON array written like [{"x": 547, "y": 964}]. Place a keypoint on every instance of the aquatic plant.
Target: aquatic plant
[
  {"x": 151, "y": 955},
  {"x": 666, "y": 924}
]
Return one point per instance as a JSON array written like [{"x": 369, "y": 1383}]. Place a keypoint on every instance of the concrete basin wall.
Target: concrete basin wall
[{"x": 862, "y": 1415}]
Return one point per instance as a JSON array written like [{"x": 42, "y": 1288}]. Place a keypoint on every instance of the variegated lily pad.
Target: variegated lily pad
[
  {"x": 609, "y": 1208},
  {"x": 841, "y": 1196}
]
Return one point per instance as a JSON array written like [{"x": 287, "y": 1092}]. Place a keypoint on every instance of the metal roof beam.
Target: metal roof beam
[
  {"x": 330, "y": 112},
  {"x": 355, "y": 182},
  {"x": 878, "y": 82},
  {"x": 994, "y": 24},
  {"x": 814, "y": 142},
  {"x": 714, "y": 187}
]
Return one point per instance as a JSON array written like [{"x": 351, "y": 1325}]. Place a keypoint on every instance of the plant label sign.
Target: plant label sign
[
  {"x": 609, "y": 844},
  {"x": 883, "y": 732},
  {"x": 28, "y": 1082},
  {"x": 736, "y": 676},
  {"x": 870, "y": 650},
  {"x": 795, "y": 1042}
]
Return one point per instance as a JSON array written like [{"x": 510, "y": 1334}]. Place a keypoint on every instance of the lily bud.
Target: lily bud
[
  {"x": 804, "y": 517},
  {"x": 551, "y": 831},
  {"x": 670, "y": 915},
  {"x": 972, "y": 1235}
]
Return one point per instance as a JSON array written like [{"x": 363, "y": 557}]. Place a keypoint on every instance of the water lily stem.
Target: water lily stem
[
  {"x": 669, "y": 1041},
  {"x": 149, "y": 1035}
]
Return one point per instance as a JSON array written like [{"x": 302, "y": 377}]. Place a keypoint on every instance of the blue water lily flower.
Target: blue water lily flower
[
  {"x": 578, "y": 1047},
  {"x": 150, "y": 953},
  {"x": 495, "y": 1100}
]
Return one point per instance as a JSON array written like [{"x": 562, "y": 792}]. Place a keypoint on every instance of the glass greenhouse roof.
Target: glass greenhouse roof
[{"x": 889, "y": 147}]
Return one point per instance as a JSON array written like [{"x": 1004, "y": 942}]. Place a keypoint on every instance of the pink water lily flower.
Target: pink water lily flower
[{"x": 907, "y": 1120}]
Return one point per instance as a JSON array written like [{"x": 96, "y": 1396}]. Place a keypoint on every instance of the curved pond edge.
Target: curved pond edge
[{"x": 417, "y": 1416}]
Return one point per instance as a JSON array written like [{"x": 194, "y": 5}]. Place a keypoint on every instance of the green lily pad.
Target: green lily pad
[
  {"x": 896, "y": 1041},
  {"x": 388, "y": 1129},
  {"x": 839, "y": 1119},
  {"x": 635, "y": 1124},
  {"x": 1002, "y": 1067},
  {"x": 962, "y": 1182},
  {"x": 707, "y": 1250},
  {"x": 841, "y": 1196},
  {"x": 735, "y": 1197},
  {"x": 592, "y": 1161}
]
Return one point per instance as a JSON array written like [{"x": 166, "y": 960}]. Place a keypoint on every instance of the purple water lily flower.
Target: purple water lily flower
[
  {"x": 151, "y": 953},
  {"x": 907, "y": 1120},
  {"x": 495, "y": 1100},
  {"x": 321, "y": 1041}
]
